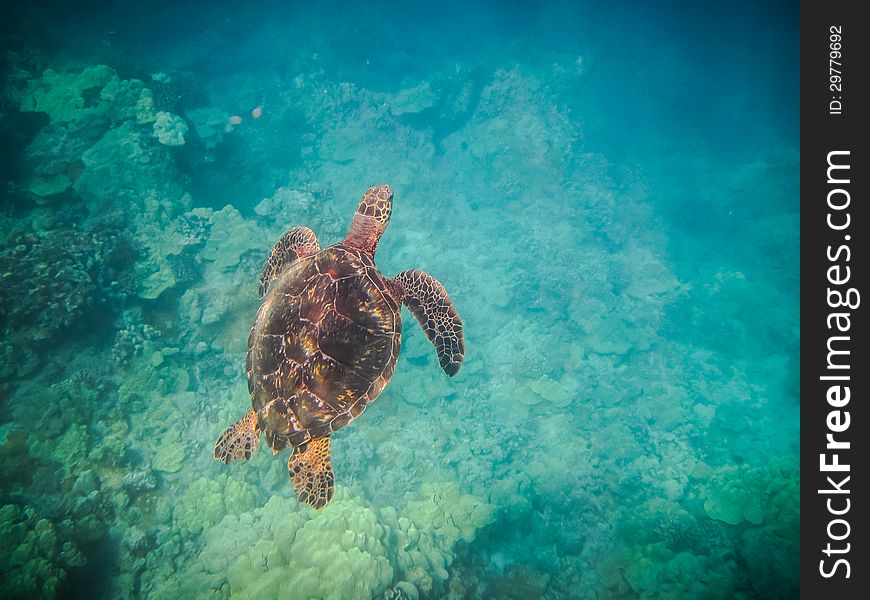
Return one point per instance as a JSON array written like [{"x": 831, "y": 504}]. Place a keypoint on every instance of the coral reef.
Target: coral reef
[
  {"x": 169, "y": 129},
  {"x": 124, "y": 168},
  {"x": 623, "y": 426},
  {"x": 544, "y": 389},
  {"x": 348, "y": 550},
  {"x": 72, "y": 280},
  {"x": 170, "y": 452},
  {"x": 63, "y": 95},
  {"x": 33, "y": 558},
  {"x": 210, "y": 124},
  {"x": 207, "y": 501},
  {"x": 81, "y": 106},
  {"x": 230, "y": 259},
  {"x": 166, "y": 248},
  {"x": 54, "y": 158}
]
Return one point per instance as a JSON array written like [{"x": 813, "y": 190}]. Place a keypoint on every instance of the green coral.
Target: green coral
[
  {"x": 72, "y": 445},
  {"x": 158, "y": 383},
  {"x": 170, "y": 452},
  {"x": 219, "y": 307},
  {"x": 431, "y": 526},
  {"x": 347, "y": 550},
  {"x": 162, "y": 244},
  {"x": 210, "y": 124},
  {"x": 763, "y": 499},
  {"x": 413, "y": 100},
  {"x": 451, "y": 515},
  {"x": 231, "y": 237},
  {"x": 221, "y": 237},
  {"x": 62, "y": 95},
  {"x": 343, "y": 553},
  {"x": 157, "y": 282},
  {"x": 69, "y": 449},
  {"x": 82, "y": 108},
  {"x": 82, "y": 99},
  {"x": 32, "y": 557},
  {"x": 670, "y": 553},
  {"x": 657, "y": 572},
  {"x": 664, "y": 552},
  {"x": 49, "y": 184},
  {"x": 552, "y": 391},
  {"x": 129, "y": 99},
  {"x": 69, "y": 276},
  {"x": 735, "y": 494},
  {"x": 206, "y": 501},
  {"x": 126, "y": 168}
]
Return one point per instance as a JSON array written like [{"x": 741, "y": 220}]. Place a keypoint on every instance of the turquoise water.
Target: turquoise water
[{"x": 608, "y": 193}]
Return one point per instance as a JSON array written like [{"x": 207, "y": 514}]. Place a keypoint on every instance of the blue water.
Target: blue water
[{"x": 609, "y": 193}]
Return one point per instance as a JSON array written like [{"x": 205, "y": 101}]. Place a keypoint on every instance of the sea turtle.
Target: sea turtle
[{"x": 325, "y": 341}]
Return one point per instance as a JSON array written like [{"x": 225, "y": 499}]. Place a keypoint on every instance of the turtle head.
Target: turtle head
[{"x": 371, "y": 219}]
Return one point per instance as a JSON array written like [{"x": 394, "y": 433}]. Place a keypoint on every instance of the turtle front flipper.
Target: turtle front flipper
[
  {"x": 311, "y": 471},
  {"x": 296, "y": 243},
  {"x": 239, "y": 442},
  {"x": 427, "y": 299}
]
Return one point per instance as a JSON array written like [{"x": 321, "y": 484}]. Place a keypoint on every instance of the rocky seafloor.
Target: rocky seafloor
[{"x": 625, "y": 423}]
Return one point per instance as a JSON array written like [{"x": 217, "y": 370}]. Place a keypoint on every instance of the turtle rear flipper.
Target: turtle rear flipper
[
  {"x": 239, "y": 442},
  {"x": 427, "y": 299},
  {"x": 311, "y": 471},
  {"x": 296, "y": 243}
]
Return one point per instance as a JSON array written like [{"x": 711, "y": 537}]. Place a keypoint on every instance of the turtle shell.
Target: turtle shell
[{"x": 323, "y": 345}]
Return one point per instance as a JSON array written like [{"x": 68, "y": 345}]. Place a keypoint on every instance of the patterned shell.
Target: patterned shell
[{"x": 324, "y": 344}]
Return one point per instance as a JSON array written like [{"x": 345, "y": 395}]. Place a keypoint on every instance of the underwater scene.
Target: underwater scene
[{"x": 608, "y": 193}]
